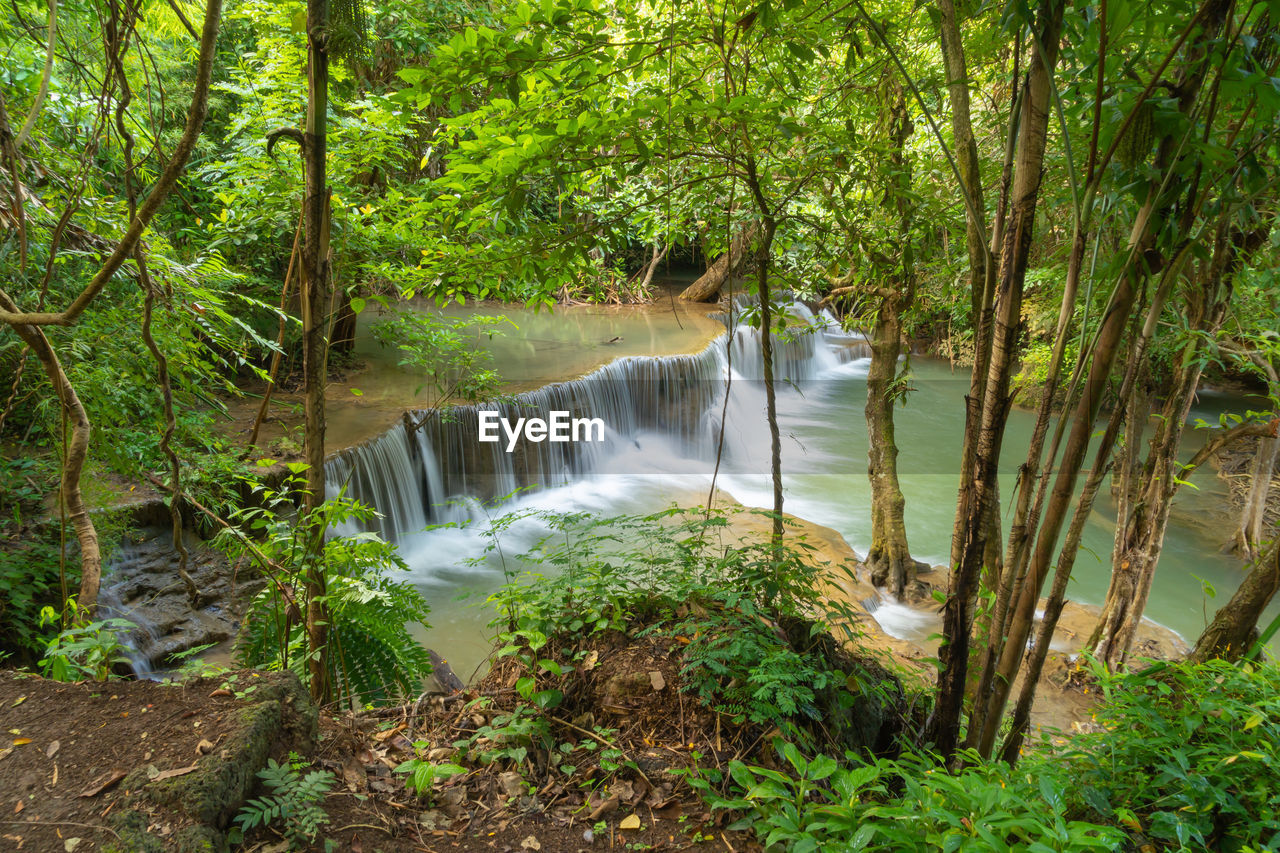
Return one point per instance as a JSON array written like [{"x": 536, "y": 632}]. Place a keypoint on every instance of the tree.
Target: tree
[
  {"x": 29, "y": 325},
  {"x": 974, "y": 508},
  {"x": 1233, "y": 630}
]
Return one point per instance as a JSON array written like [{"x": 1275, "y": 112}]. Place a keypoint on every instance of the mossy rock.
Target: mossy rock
[{"x": 191, "y": 812}]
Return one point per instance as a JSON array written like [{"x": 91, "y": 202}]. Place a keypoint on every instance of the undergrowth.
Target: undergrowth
[{"x": 1185, "y": 759}]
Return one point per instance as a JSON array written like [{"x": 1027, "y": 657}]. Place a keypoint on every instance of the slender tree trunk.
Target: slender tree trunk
[
  {"x": 966, "y": 148},
  {"x": 1249, "y": 534},
  {"x": 1234, "y": 628},
  {"x": 659, "y": 252},
  {"x": 766, "y": 350},
  {"x": 889, "y": 559},
  {"x": 315, "y": 301},
  {"x": 73, "y": 464},
  {"x": 1140, "y": 531},
  {"x": 976, "y": 495}
]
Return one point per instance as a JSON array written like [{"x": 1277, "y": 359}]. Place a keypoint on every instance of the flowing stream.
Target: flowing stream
[{"x": 662, "y": 417}]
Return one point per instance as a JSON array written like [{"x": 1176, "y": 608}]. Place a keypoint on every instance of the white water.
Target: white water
[{"x": 663, "y": 416}]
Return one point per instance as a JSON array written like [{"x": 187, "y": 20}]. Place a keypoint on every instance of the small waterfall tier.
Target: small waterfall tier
[{"x": 433, "y": 466}]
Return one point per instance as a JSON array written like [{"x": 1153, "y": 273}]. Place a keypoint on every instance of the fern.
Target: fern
[
  {"x": 372, "y": 657},
  {"x": 294, "y": 803}
]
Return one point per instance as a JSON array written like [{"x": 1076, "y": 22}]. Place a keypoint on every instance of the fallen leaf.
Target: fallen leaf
[
  {"x": 21, "y": 741},
  {"x": 54, "y": 782},
  {"x": 4, "y": 753},
  {"x": 19, "y": 806},
  {"x": 18, "y": 701},
  {"x": 401, "y": 743},
  {"x": 102, "y": 783},
  {"x": 531, "y": 843},
  {"x": 674, "y": 810},
  {"x": 52, "y": 749},
  {"x": 605, "y": 807},
  {"x": 381, "y": 736},
  {"x": 353, "y": 774},
  {"x": 512, "y": 783},
  {"x": 656, "y": 679},
  {"x": 624, "y": 789},
  {"x": 204, "y": 747},
  {"x": 591, "y": 660},
  {"x": 70, "y": 844},
  {"x": 221, "y": 691},
  {"x": 631, "y": 821},
  {"x": 169, "y": 774}
]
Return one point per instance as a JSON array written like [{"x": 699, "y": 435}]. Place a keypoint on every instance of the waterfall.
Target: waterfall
[
  {"x": 425, "y": 468},
  {"x": 385, "y": 473},
  {"x": 142, "y": 639}
]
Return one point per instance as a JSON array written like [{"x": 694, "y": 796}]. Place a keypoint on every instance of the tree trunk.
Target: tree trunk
[
  {"x": 659, "y": 252},
  {"x": 966, "y": 147},
  {"x": 343, "y": 339},
  {"x": 1140, "y": 531},
  {"x": 708, "y": 285},
  {"x": 1234, "y": 628},
  {"x": 889, "y": 560},
  {"x": 315, "y": 301},
  {"x": 72, "y": 464},
  {"x": 1249, "y": 534},
  {"x": 771, "y": 400},
  {"x": 973, "y": 517}
]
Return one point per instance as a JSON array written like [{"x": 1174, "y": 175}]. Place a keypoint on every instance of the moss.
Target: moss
[{"x": 205, "y": 800}]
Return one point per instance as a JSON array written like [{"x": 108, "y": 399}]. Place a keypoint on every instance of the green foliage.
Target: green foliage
[
  {"x": 1184, "y": 761},
  {"x": 423, "y": 774},
  {"x": 29, "y": 581},
  {"x": 445, "y": 348},
  {"x": 682, "y": 574},
  {"x": 1190, "y": 751},
  {"x": 373, "y": 656},
  {"x": 293, "y": 803},
  {"x": 89, "y": 651},
  {"x": 737, "y": 663},
  {"x": 911, "y": 803},
  {"x": 23, "y": 482}
]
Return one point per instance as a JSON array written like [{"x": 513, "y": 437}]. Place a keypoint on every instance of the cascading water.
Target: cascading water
[
  {"x": 141, "y": 640},
  {"x": 387, "y": 474},
  {"x": 424, "y": 470}
]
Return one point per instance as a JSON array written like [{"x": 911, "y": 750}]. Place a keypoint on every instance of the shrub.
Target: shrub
[
  {"x": 911, "y": 803},
  {"x": 372, "y": 656},
  {"x": 1188, "y": 755}
]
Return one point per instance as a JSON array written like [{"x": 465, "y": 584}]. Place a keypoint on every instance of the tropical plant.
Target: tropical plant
[
  {"x": 373, "y": 655},
  {"x": 88, "y": 651},
  {"x": 293, "y": 803}
]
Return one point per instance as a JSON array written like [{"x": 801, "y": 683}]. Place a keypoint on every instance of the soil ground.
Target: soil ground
[{"x": 66, "y": 748}]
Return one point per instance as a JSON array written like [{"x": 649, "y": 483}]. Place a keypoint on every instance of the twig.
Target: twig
[{"x": 603, "y": 742}]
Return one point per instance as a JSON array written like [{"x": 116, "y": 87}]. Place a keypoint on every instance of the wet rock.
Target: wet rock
[{"x": 141, "y": 583}]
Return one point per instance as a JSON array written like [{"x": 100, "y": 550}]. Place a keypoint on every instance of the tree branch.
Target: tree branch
[{"x": 147, "y": 210}]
